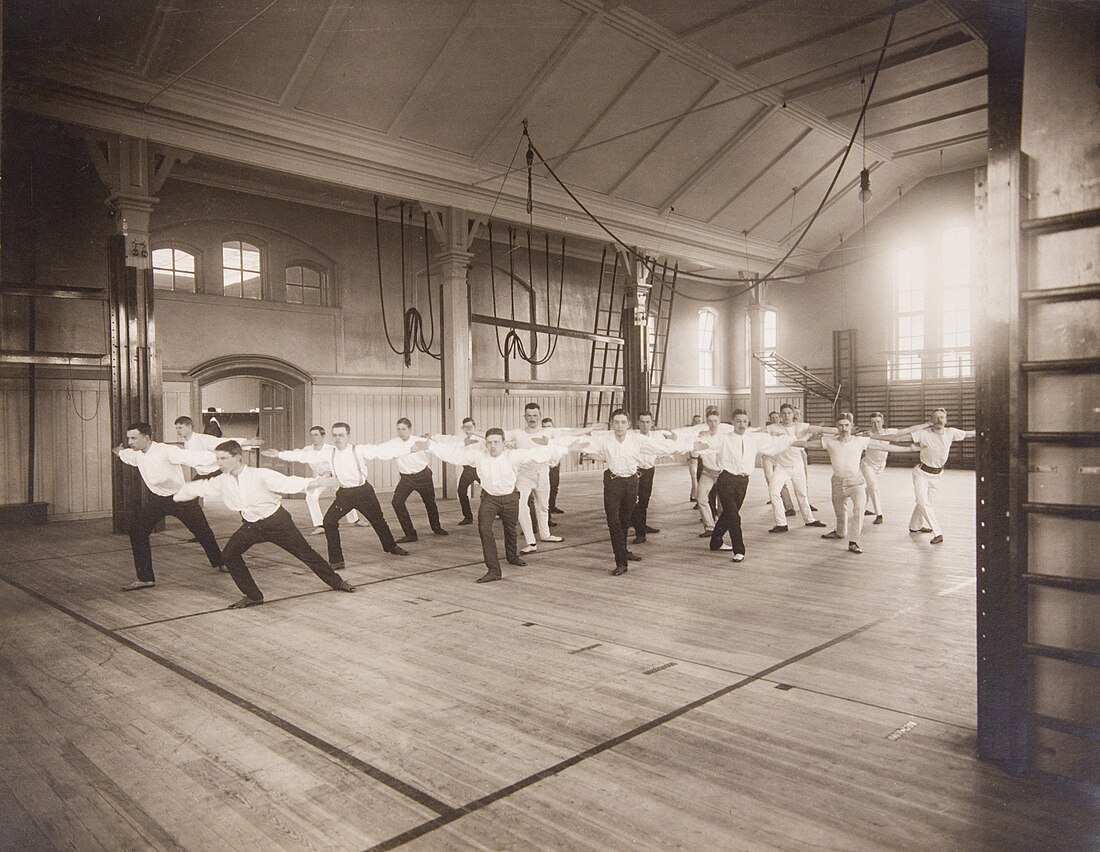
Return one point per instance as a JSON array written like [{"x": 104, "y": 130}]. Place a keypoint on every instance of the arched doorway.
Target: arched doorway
[{"x": 256, "y": 395}]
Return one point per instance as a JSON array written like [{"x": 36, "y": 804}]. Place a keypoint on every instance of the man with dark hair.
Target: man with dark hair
[
  {"x": 622, "y": 450},
  {"x": 318, "y": 455},
  {"x": 646, "y": 468},
  {"x": 555, "y": 477},
  {"x": 790, "y": 467},
  {"x": 416, "y": 475},
  {"x": 707, "y": 471},
  {"x": 496, "y": 467},
  {"x": 192, "y": 440},
  {"x": 735, "y": 455},
  {"x": 355, "y": 492},
  {"x": 469, "y": 473},
  {"x": 693, "y": 464},
  {"x": 160, "y": 468},
  {"x": 254, "y": 493}
]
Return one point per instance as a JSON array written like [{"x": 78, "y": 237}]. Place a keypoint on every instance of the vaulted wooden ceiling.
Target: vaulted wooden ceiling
[{"x": 706, "y": 130}]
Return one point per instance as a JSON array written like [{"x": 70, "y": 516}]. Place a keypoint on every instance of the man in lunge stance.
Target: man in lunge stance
[
  {"x": 159, "y": 465},
  {"x": 874, "y": 461},
  {"x": 734, "y": 454},
  {"x": 935, "y": 445},
  {"x": 318, "y": 455},
  {"x": 707, "y": 471},
  {"x": 790, "y": 467},
  {"x": 468, "y": 476},
  {"x": 496, "y": 466},
  {"x": 848, "y": 484},
  {"x": 622, "y": 450},
  {"x": 646, "y": 470},
  {"x": 555, "y": 477},
  {"x": 416, "y": 475},
  {"x": 356, "y": 492},
  {"x": 254, "y": 492}
]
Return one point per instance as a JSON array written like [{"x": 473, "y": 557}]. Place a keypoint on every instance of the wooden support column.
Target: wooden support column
[
  {"x": 758, "y": 397},
  {"x": 1001, "y": 463},
  {"x": 635, "y": 331},
  {"x": 455, "y": 231}
]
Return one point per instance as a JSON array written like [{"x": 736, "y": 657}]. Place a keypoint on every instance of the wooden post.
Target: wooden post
[
  {"x": 635, "y": 332},
  {"x": 758, "y": 395}
]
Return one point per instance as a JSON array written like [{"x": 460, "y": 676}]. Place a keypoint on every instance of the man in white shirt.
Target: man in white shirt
[
  {"x": 534, "y": 477},
  {"x": 254, "y": 493},
  {"x": 192, "y": 440},
  {"x": 555, "y": 478},
  {"x": 646, "y": 470},
  {"x": 693, "y": 463},
  {"x": 622, "y": 450},
  {"x": 935, "y": 445},
  {"x": 874, "y": 461},
  {"x": 734, "y": 454},
  {"x": 791, "y": 467},
  {"x": 160, "y": 468},
  {"x": 318, "y": 455},
  {"x": 354, "y": 491},
  {"x": 768, "y": 464},
  {"x": 848, "y": 483},
  {"x": 416, "y": 475},
  {"x": 497, "y": 468},
  {"x": 469, "y": 474},
  {"x": 707, "y": 471}
]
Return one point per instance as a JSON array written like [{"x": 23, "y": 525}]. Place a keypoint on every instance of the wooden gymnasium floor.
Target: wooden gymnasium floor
[{"x": 806, "y": 699}]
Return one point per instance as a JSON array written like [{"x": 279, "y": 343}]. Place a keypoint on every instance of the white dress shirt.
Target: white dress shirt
[
  {"x": 497, "y": 473},
  {"x": 624, "y": 457},
  {"x": 319, "y": 460},
  {"x": 347, "y": 464},
  {"x": 736, "y": 454},
  {"x": 160, "y": 465},
  {"x": 401, "y": 450},
  {"x": 845, "y": 455},
  {"x": 252, "y": 491},
  {"x": 200, "y": 441},
  {"x": 935, "y": 446},
  {"x": 791, "y": 457}
]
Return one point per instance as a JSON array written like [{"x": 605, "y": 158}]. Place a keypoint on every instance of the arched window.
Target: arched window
[
  {"x": 305, "y": 285},
  {"x": 708, "y": 319},
  {"x": 242, "y": 276},
  {"x": 770, "y": 341},
  {"x": 174, "y": 269}
]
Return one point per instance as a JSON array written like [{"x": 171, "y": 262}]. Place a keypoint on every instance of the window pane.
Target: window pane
[
  {"x": 310, "y": 277},
  {"x": 185, "y": 281},
  {"x": 294, "y": 275},
  {"x": 184, "y": 262},
  {"x": 162, "y": 258},
  {"x": 162, "y": 280},
  {"x": 251, "y": 285},
  {"x": 313, "y": 297},
  {"x": 231, "y": 255},
  {"x": 294, "y": 294},
  {"x": 231, "y": 280},
  {"x": 251, "y": 257}
]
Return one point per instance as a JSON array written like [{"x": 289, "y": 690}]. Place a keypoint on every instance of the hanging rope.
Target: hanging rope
[{"x": 412, "y": 339}]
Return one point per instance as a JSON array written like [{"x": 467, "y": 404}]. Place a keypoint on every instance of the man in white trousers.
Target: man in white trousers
[
  {"x": 935, "y": 446},
  {"x": 790, "y": 467},
  {"x": 318, "y": 455}
]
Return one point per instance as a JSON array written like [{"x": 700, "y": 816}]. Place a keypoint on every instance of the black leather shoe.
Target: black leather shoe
[
  {"x": 337, "y": 566},
  {"x": 619, "y": 569},
  {"x": 868, "y": 512},
  {"x": 551, "y": 523},
  {"x": 706, "y": 533},
  {"x": 854, "y": 548},
  {"x": 779, "y": 529},
  {"x": 399, "y": 551},
  {"x": 344, "y": 587},
  {"x": 877, "y": 520},
  {"x": 517, "y": 562},
  {"x": 638, "y": 539},
  {"x": 554, "y": 510},
  {"x": 633, "y": 557},
  {"x": 441, "y": 531},
  {"x": 814, "y": 508},
  {"x": 937, "y": 540},
  {"x": 833, "y": 534},
  {"x": 651, "y": 530},
  {"x": 816, "y": 524},
  {"x": 790, "y": 513},
  {"x": 488, "y": 577},
  {"x": 408, "y": 539},
  {"x": 245, "y": 602},
  {"x": 465, "y": 522}
]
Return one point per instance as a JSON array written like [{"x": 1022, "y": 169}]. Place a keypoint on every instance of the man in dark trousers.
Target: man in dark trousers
[
  {"x": 416, "y": 475},
  {"x": 160, "y": 468},
  {"x": 646, "y": 469},
  {"x": 254, "y": 493}
]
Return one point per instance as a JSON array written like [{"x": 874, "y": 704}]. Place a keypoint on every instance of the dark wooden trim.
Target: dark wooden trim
[
  {"x": 1075, "y": 221},
  {"x": 1089, "y": 585},
  {"x": 1062, "y": 294},
  {"x": 1068, "y": 655}
]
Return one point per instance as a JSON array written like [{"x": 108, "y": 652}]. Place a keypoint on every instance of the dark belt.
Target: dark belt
[
  {"x": 616, "y": 476},
  {"x": 928, "y": 469}
]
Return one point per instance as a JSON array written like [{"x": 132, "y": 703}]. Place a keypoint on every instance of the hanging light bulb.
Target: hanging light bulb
[{"x": 865, "y": 193}]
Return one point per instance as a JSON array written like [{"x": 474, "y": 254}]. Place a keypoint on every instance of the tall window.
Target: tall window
[
  {"x": 173, "y": 269},
  {"x": 912, "y": 279},
  {"x": 305, "y": 285},
  {"x": 241, "y": 275},
  {"x": 955, "y": 305},
  {"x": 770, "y": 341},
  {"x": 707, "y": 321},
  {"x": 933, "y": 309},
  {"x": 651, "y": 340}
]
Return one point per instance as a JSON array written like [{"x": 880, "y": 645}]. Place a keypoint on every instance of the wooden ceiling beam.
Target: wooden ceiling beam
[
  {"x": 522, "y": 104},
  {"x": 943, "y": 143},
  {"x": 721, "y": 20},
  {"x": 912, "y": 93},
  {"x": 736, "y": 141},
  {"x": 771, "y": 163},
  {"x": 926, "y": 122},
  {"x": 796, "y": 190},
  {"x": 161, "y": 38},
  {"x": 672, "y": 125},
  {"x": 314, "y": 54},
  {"x": 451, "y": 50}
]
